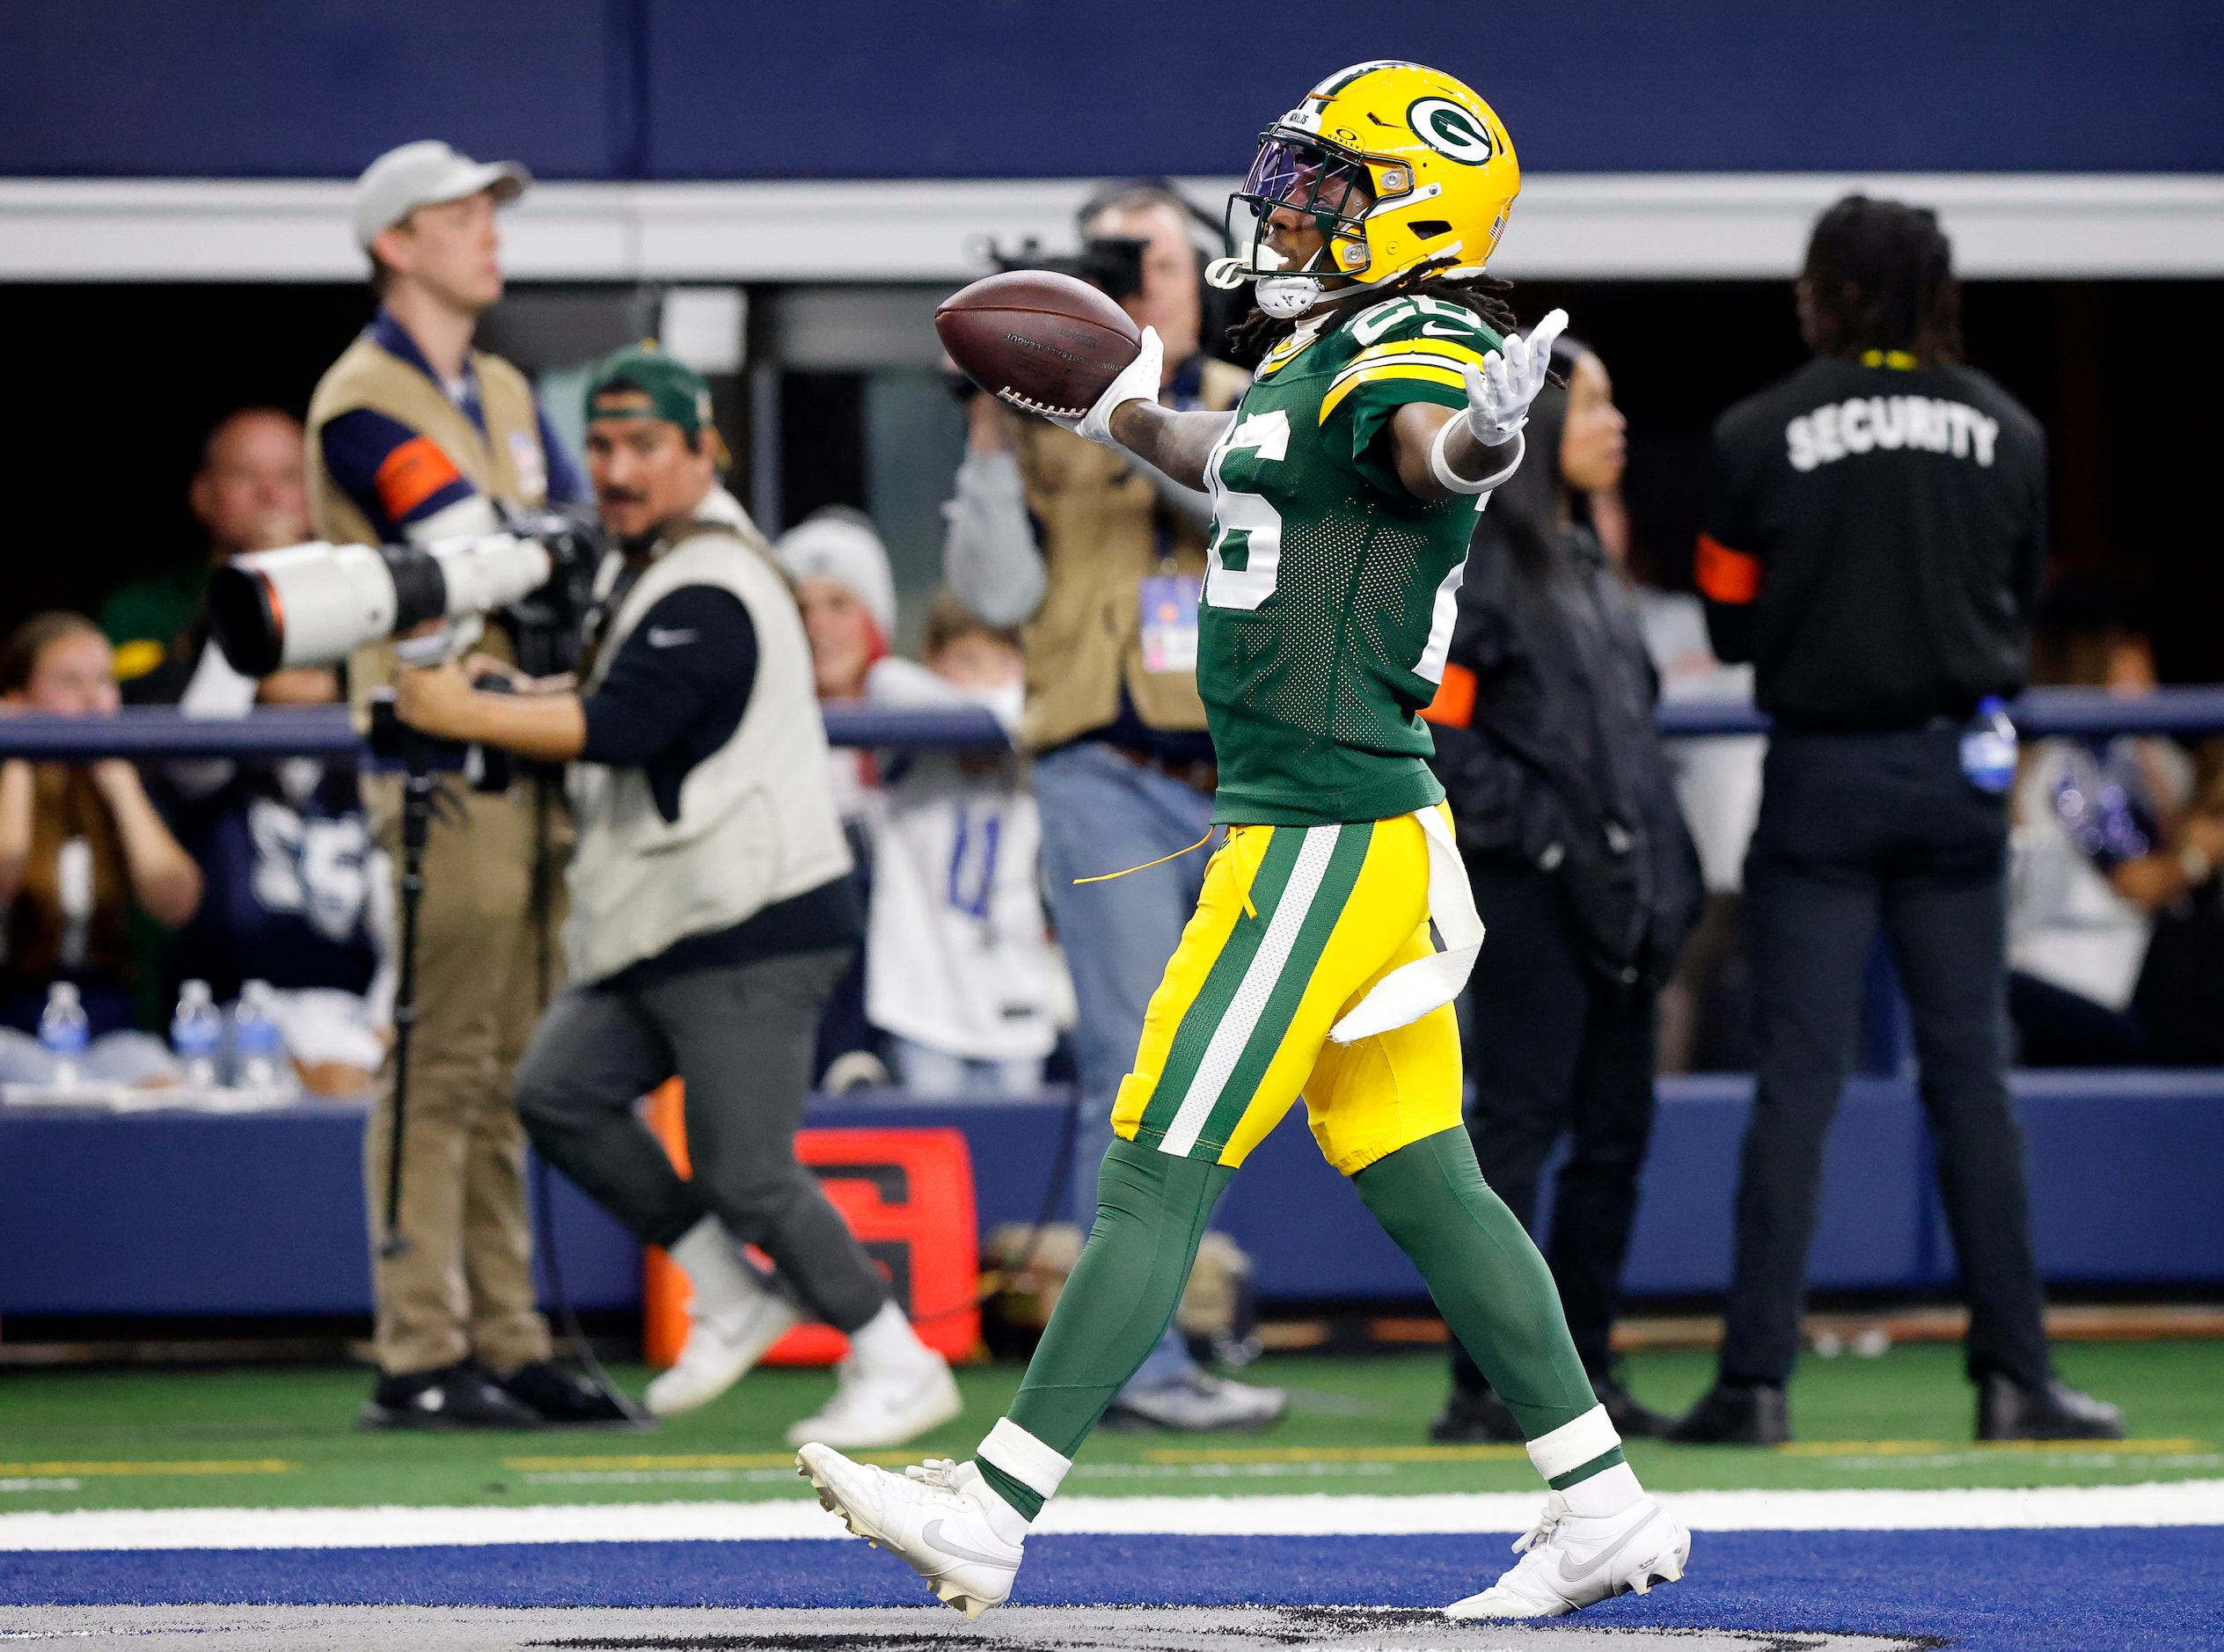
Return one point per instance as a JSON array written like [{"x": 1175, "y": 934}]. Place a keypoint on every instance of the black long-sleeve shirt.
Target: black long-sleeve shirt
[
  {"x": 1873, "y": 543},
  {"x": 677, "y": 691}
]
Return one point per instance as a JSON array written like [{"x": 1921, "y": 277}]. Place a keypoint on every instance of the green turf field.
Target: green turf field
[{"x": 168, "y": 1439}]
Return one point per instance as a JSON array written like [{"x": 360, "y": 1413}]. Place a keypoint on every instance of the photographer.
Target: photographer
[
  {"x": 1098, "y": 560},
  {"x": 413, "y": 435},
  {"x": 711, "y": 912}
]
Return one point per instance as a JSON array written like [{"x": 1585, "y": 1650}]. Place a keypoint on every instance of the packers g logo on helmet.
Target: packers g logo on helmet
[
  {"x": 1397, "y": 165},
  {"x": 1449, "y": 130}
]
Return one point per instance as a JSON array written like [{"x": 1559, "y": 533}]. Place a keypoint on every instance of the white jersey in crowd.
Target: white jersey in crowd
[
  {"x": 2066, "y": 926},
  {"x": 1718, "y": 780},
  {"x": 957, "y": 955}
]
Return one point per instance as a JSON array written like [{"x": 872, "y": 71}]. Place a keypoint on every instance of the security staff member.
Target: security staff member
[
  {"x": 1875, "y": 538},
  {"x": 413, "y": 434},
  {"x": 711, "y": 912}
]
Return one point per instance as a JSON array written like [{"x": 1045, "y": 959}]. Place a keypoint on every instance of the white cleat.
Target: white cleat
[
  {"x": 883, "y": 1407},
  {"x": 718, "y": 1351},
  {"x": 936, "y": 1519},
  {"x": 1568, "y": 1562}
]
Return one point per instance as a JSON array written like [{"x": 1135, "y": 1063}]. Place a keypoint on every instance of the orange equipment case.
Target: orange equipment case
[{"x": 907, "y": 1197}]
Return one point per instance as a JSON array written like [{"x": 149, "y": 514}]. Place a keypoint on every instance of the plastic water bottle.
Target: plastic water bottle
[
  {"x": 63, "y": 1034},
  {"x": 256, "y": 1042},
  {"x": 197, "y": 1034},
  {"x": 1988, "y": 746}
]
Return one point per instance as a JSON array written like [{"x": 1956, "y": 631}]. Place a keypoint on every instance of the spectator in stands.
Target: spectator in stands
[
  {"x": 415, "y": 435},
  {"x": 959, "y": 968},
  {"x": 79, "y": 847},
  {"x": 297, "y": 895},
  {"x": 847, "y": 594},
  {"x": 2094, "y": 850},
  {"x": 1707, "y": 1005},
  {"x": 248, "y": 495},
  {"x": 710, "y": 912},
  {"x": 1875, "y": 533},
  {"x": 1099, "y": 559},
  {"x": 1567, "y": 818}
]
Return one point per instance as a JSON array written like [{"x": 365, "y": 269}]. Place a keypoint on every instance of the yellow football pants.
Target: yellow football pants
[{"x": 1294, "y": 926}]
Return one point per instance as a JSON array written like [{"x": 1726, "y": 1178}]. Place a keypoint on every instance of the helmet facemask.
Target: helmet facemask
[{"x": 1323, "y": 181}]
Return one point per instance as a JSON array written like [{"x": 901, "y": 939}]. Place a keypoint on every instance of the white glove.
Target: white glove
[
  {"x": 1500, "y": 390},
  {"x": 1138, "y": 381}
]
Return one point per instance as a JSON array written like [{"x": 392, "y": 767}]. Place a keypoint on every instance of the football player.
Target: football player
[{"x": 1335, "y": 926}]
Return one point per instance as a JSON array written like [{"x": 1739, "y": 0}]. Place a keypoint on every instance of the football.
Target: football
[{"x": 1044, "y": 342}]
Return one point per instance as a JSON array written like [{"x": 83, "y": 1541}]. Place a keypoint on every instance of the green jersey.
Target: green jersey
[{"x": 1330, "y": 590}]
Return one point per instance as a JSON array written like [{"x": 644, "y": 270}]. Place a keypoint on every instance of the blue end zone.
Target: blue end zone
[{"x": 2062, "y": 1591}]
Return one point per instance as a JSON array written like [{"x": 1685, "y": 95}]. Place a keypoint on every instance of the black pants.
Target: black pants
[
  {"x": 1856, "y": 828},
  {"x": 741, "y": 1036},
  {"x": 1554, "y": 1047}
]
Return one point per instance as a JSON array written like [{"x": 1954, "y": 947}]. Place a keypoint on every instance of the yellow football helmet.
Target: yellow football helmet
[{"x": 1397, "y": 163}]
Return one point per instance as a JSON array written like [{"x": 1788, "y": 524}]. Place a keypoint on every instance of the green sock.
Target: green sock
[
  {"x": 1152, "y": 1208},
  {"x": 1489, "y": 1281}
]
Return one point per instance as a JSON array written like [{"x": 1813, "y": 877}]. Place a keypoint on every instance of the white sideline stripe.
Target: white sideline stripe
[{"x": 2175, "y": 1503}]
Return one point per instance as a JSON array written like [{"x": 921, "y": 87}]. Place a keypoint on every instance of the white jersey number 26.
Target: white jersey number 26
[{"x": 1245, "y": 555}]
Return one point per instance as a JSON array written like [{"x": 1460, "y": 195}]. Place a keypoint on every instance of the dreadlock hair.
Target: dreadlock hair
[
  {"x": 1440, "y": 277},
  {"x": 1879, "y": 275}
]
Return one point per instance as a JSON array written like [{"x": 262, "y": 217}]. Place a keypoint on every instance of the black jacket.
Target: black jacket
[
  {"x": 1873, "y": 543},
  {"x": 1557, "y": 764}
]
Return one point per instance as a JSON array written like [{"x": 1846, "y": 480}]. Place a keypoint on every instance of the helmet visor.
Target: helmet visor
[{"x": 1309, "y": 178}]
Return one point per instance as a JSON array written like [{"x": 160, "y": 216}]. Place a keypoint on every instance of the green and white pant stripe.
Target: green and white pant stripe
[{"x": 1243, "y": 999}]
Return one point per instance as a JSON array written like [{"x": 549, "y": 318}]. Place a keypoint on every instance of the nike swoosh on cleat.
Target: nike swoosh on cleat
[
  {"x": 1580, "y": 1574},
  {"x": 933, "y": 1533}
]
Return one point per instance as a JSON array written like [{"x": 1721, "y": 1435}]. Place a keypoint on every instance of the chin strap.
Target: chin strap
[{"x": 1282, "y": 293}]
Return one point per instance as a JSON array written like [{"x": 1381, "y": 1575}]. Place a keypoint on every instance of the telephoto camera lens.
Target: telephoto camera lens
[{"x": 316, "y": 603}]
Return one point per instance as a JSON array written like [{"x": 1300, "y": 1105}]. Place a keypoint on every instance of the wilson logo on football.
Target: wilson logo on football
[{"x": 1449, "y": 130}]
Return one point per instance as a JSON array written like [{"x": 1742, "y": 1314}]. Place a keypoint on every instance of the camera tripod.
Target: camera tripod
[{"x": 419, "y": 754}]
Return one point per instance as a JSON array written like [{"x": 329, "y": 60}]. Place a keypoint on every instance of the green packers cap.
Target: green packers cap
[{"x": 676, "y": 392}]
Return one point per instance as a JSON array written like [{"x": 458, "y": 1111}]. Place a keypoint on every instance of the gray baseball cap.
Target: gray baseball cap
[{"x": 424, "y": 174}]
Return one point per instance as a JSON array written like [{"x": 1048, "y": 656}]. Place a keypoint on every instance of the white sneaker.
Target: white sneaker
[
  {"x": 936, "y": 1519},
  {"x": 1570, "y": 1561},
  {"x": 884, "y": 1407},
  {"x": 719, "y": 1351},
  {"x": 1198, "y": 1402}
]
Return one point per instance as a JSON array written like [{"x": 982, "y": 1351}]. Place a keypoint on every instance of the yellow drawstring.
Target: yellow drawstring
[
  {"x": 1900, "y": 361},
  {"x": 1107, "y": 877}
]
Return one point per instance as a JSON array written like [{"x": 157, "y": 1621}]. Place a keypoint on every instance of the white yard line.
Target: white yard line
[{"x": 2182, "y": 1502}]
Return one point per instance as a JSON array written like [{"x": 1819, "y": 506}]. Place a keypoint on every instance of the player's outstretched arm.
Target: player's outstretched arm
[
  {"x": 1128, "y": 415},
  {"x": 1443, "y": 452},
  {"x": 1177, "y": 443}
]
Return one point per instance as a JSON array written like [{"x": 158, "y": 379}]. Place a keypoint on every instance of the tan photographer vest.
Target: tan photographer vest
[
  {"x": 367, "y": 375},
  {"x": 756, "y": 819},
  {"x": 1098, "y": 531}
]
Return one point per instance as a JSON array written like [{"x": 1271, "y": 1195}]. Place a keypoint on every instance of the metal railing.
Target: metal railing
[{"x": 328, "y": 731}]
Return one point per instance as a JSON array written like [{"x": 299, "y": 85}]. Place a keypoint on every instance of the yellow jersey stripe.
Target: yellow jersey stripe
[
  {"x": 1450, "y": 349},
  {"x": 1436, "y": 374}
]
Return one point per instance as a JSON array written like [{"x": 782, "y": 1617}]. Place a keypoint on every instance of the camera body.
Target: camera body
[
  {"x": 316, "y": 603},
  {"x": 1112, "y": 264}
]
